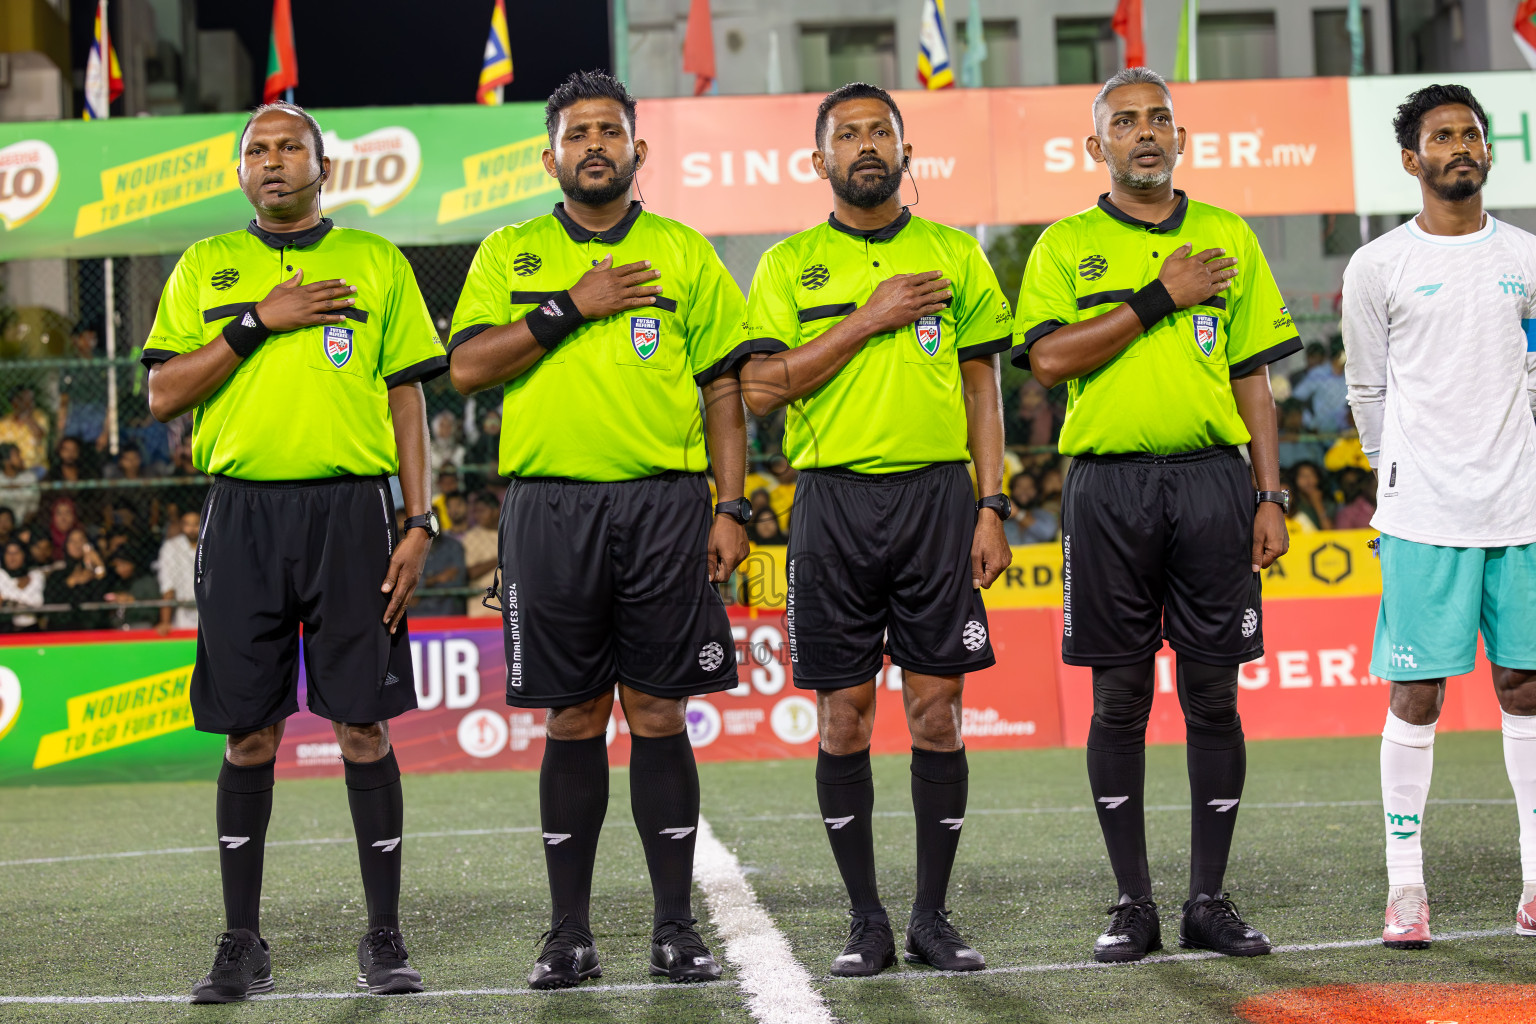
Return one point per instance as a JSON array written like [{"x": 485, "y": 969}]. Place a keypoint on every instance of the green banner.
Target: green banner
[
  {"x": 107, "y": 712},
  {"x": 133, "y": 185}
]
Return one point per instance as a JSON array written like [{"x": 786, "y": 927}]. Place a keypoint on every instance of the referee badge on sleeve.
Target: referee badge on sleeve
[
  {"x": 645, "y": 335},
  {"x": 338, "y": 345},
  {"x": 928, "y": 333},
  {"x": 1205, "y": 332}
]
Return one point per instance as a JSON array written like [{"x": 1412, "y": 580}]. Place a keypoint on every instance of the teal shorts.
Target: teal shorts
[{"x": 1435, "y": 599}]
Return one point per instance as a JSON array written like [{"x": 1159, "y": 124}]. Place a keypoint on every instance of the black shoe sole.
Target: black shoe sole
[
  {"x": 684, "y": 977},
  {"x": 918, "y": 958},
  {"x": 550, "y": 984},
  {"x": 889, "y": 960},
  {"x": 258, "y": 987},
  {"x": 1407, "y": 944},
  {"x": 1113, "y": 957},
  {"x": 392, "y": 987},
  {"x": 1252, "y": 951}
]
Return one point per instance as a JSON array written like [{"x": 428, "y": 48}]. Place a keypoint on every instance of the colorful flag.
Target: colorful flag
[
  {"x": 1187, "y": 67},
  {"x": 933, "y": 70},
  {"x": 496, "y": 69},
  {"x": 699, "y": 47},
  {"x": 103, "y": 75},
  {"x": 1525, "y": 30},
  {"x": 975, "y": 48},
  {"x": 1129, "y": 25},
  {"x": 282, "y": 60}
]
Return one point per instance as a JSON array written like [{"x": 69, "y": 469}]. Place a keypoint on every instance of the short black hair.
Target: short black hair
[
  {"x": 1316, "y": 348},
  {"x": 587, "y": 85},
  {"x": 1410, "y": 115},
  {"x": 285, "y": 107},
  {"x": 854, "y": 91}
]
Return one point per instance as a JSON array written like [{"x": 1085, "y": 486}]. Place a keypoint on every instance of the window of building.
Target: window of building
[
  {"x": 1238, "y": 46},
  {"x": 1330, "y": 42},
  {"x": 1086, "y": 51},
  {"x": 833, "y": 55},
  {"x": 1000, "y": 68}
]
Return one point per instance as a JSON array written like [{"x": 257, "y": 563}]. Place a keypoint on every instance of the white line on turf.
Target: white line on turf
[
  {"x": 805, "y": 979},
  {"x": 974, "y": 811},
  {"x": 777, "y": 986}
]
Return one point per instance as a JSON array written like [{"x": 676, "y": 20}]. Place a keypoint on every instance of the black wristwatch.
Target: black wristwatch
[
  {"x": 427, "y": 522},
  {"x": 740, "y": 510},
  {"x": 1281, "y": 498},
  {"x": 998, "y": 503}
]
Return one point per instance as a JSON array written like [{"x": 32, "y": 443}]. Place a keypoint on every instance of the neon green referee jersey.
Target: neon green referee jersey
[
  {"x": 1170, "y": 390},
  {"x": 898, "y": 404},
  {"x": 311, "y": 403},
  {"x": 618, "y": 398}
]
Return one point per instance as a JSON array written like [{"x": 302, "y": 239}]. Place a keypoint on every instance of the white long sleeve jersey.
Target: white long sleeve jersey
[{"x": 1439, "y": 333}]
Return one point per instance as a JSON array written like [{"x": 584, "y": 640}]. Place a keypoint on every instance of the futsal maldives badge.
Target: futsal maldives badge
[
  {"x": 1205, "y": 332},
  {"x": 645, "y": 335},
  {"x": 928, "y": 335},
  {"x": 338, "y": 345}
]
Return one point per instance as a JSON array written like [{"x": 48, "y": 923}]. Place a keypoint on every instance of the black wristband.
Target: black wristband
[
  {"x": 245, "y": 332},
  {"x": 1151, "y": 304},
  {"x": 551, "y": 322}
]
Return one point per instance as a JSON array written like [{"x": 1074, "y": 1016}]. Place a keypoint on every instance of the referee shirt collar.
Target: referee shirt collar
[
  {"x": 1175, "y": 219},
  {"x": 291, "y": 239},
  {"x": 884, "y": 234},
  {"x": 613, "y": 236}
]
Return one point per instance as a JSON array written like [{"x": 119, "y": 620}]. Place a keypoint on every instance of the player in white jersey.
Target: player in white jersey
[{"x": 1439, "y": 331}]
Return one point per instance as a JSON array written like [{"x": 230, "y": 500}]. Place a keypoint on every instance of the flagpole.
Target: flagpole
[
  {"x": 109, "y": 289},
  {"x": 288, "y": 95}
]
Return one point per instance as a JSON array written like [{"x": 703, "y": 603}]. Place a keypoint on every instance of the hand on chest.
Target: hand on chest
[{"x": 350, "y": 346}]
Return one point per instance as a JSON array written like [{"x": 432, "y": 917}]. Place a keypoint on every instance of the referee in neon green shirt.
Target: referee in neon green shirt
[
  {"x": 602, "y": 324},
  {"x": 305, "y": 398},
  {"x": 1164, "y": 527},
  {"x": 881, "y": 333}
]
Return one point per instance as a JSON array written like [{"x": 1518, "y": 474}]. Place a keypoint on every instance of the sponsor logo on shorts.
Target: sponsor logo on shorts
[
  {"x": 515, "y": 638},
  {"x": 974, "y": 636},
  {"x": 1402, "y": 656},
  {"x": 1205, "y": 332},
  {"x": 711, "y": 656},
  {"x": 1250, "y": 622},
  {"x": 789, "y": 616},
  {"x": 703, "y": 721},
  {"x": 1066, "y": 584}
]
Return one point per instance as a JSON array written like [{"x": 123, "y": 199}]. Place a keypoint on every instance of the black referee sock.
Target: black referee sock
[
  {"x": 845, "y": 789},
  {"x": 378, "y": 819},
  {"x": 573, "y": 801},
  {"x": 939, "y": 789},
  {"x": 241, "y": 811},
  {"x": 1218, "y": 767},
  {"x": 1117, "y": 773},
  {"x": 664, "y": 795}
]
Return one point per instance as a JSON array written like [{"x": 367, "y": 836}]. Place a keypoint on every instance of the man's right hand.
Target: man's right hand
[
  {"x": 1193, "y": 279},
  {"x": 294, "y": 304},
  {"x": 898, "y": 301},
  {"x": 606, "y": 289}
]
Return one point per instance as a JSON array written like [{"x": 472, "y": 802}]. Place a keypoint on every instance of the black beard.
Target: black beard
[
  {"x": 599, "y": 195},
  {"x": 1458, "y": 189},
  {"x": 869, "y": 196}
]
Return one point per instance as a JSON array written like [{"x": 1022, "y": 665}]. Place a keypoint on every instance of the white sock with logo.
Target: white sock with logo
[
  {"x": 1407, "y": 761},
  {"x": 1520, "y": 762}
]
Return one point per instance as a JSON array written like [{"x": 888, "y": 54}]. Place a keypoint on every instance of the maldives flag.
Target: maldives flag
[
  {"x": 1525, "y": 30},
  {"x": 1127, "y": 24},
  {"x": 699, "y": 47},
  {"x": 282, "y": 61}
]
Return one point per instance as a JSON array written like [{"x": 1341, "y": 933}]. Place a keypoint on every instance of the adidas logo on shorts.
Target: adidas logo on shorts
[{"x": 974, "y": 636}]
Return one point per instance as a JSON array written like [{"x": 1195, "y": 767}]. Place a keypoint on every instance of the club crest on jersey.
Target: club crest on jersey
[
  {"x": 645, "y": 335},
  {"x": 928, "y": 333},
  {"x": 1205, "y": 332},
  {"x": 338, "y": 345}
]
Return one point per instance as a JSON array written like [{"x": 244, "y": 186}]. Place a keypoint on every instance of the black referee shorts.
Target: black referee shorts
[
  {"x": 1159, "y": 547},
  {"x": 605, "y": 583},
  {"x": 275, "y": 555},
  {"x": 880, "y": 563}
]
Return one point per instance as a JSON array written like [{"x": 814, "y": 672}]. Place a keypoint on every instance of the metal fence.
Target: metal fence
[{"x": 88, "y": 478}]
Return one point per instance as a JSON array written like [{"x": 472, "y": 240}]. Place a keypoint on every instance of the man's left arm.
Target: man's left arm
[
  {"x": 990, "y": 553},
  {"x": 725, "y": 431},
  {"x": 1256, "y": 405},
  {"x": 408, "y": 410}
]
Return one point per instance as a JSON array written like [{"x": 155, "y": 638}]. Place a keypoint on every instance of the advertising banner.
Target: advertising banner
[{"x": 1381, "y": 184}]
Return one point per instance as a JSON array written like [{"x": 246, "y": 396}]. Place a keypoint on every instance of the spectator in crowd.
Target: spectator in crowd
[
  {"x": 1307, "y": 500},
  {"x": 129, "y": 465},
  {"x": 18, "y": 486},
  {"x": 481, "y": 542},
  {"x": 44, "y": 554},
  {"x": 1035, "y": 420},
  {"x": 7, "y": 525},
  {"x": 1030, "y": 524},
  {"x": 129, "y": 586},
  {"x": 781, "y": 497},
  {"x": 458, "y": 520},
  {"x": 444, "y": 568},
  {"x": 63, "y": 516},
  {"x": 486, "y": 448},
  {"x": 21, "y": 586},
  {"x": 1293, "y": 448},
  {"x": 70, "y": 462},
  {"x": 1358, "y": 487},
  {"x": 26, "y": 426},
  {"x": 447, "y": 448},
  {"x": 1050, "y": 490},
  {"x": 765, "y": 529},
  {"x": 1317, "y": 355},
  {"x": 81, "y": 579},
  {"x": 1324, "y": 392},
  {"x": 1347, "y": 451},
  {"x": 178, "y": 565},
  {"x": 447, "y": 483},
  {"x": 83, "y": 415},
  {"x": 760, "y": 499}
]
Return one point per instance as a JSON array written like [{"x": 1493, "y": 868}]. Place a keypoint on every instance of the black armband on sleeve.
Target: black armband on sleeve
[
  {"x": 1151, "y": 304},
  {"x": 553, "y": 321},
  {"x": 245, "y": 332}
]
